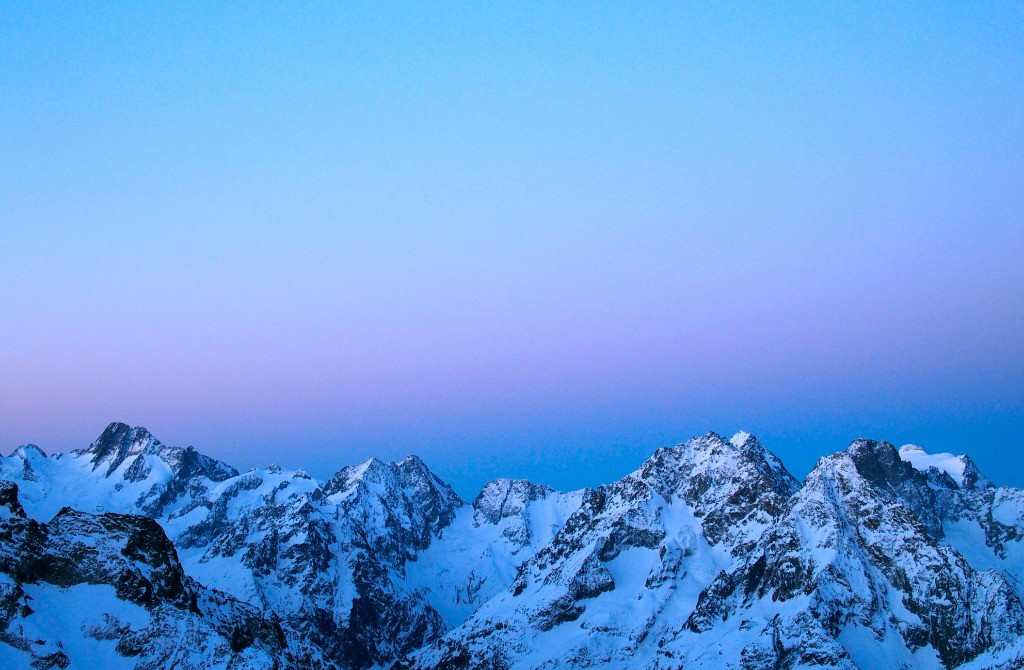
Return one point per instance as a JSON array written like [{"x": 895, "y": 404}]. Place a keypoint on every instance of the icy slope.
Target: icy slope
[
  {"x": 629, "y": 562},
  {"x": 710, "y": 555},
  {"x": 328, "y": 560},
  {"x": 125, "y": 469},
  {"x": 479, "y": 554},
  {"x": 850, "y": 577},
  {"x": 92, "y": 591},
  {"x": 983, "y": 522}
]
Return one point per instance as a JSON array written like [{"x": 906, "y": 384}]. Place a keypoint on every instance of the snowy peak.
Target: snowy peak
[
  {"x": 121, "y": 443},
  {"x": 879, "y": 462},
  {"x": 125, "y": 469},
  {"x": 409, "y": 477},
  {"x": 853, "y": 567},
  {"x": 626, "y": 561},
  {"x": 370, "y": 472},
  {"x": 420, "y": 482},
  {"x": 766, "y": 462},
  {"x": 117, "y": 443},
  {"x": 29, "y": 452},
  {"x": 741, "y": 438},
  {"x": 400, "y": 507},
  {"x": 961, "y": 469},
  {"x": 709, "y": 555},
  {"x": 27, "y": 460},
  {"x": 413, "y": 465},
  {"x": 743, "y": 455},
  {"x": 188, "y": 463}
]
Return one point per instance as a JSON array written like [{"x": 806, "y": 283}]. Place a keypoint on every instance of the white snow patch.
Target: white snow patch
[
  {"x": 739, "y": 439},
  {"x": 77, "y": 619},
  {"x": 952, "y": 465}
]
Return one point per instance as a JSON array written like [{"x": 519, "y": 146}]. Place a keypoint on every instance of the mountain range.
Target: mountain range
[{"x": 136, "y": 554}]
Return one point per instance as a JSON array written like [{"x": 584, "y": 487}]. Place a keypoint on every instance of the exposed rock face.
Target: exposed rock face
[
  {"x": 849, "y": 572},
  {"x": 128, "y": 563},
  {"x": 644, "y": 545},
  {"x": 710, "y": 555},
  {"x": 479, "y": 553},
  {"x": 328, "y": 561},
  {"x": 126, "y": 469}
]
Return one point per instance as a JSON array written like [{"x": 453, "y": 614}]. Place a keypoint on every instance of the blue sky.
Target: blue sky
[{"x": 514, "y": 239}]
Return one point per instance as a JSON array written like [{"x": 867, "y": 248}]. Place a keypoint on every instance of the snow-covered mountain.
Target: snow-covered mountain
[
  {"x": 327, "y": 559},
  {"x": 710, "y": 555},
  {"x": 627, "y": 564},
  {"x": 850, "y": 577},
  {"x": 108, "y": 591}
]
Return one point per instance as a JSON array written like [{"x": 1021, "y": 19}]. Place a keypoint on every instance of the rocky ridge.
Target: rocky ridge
[{"x": 709, "y": 555}]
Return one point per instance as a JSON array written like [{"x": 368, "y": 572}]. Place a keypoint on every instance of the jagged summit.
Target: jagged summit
[
  {"x": 709, "y": 459},
  {"x": 28, "y": 451},
  {"x": 854, "y": 575},
  {"x": 412, "y": 460},
  {"x": 879, "y": 462},
  {"x": 740, "y": 438},
  {"x": 409, "y": 470},
  {"x": 118, "y": 442},
  {"x": 709, "y": 555}
]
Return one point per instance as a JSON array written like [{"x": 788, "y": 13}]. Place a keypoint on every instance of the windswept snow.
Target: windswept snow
[{"x": 952, "y": 465}]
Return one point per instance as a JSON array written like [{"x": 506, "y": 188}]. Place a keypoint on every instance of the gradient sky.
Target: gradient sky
[{"x": 516, "y": 240}]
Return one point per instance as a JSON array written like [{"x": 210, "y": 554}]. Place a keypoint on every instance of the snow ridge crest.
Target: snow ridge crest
[{"x": 709, "y": 555}]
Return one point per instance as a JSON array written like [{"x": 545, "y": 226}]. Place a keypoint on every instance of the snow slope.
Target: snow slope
[{"x": 709, "y": 555}]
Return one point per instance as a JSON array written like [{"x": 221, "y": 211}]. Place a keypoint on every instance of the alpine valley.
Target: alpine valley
[{"x": 135, "y": 554}]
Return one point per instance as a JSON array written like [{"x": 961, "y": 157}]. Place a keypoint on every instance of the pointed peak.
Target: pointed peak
[
  {"x": 710, "y": 454},
  {"x": 29, "y": 451},
  {"x": 188, "y": 462},
  {"x": 878, "y": 462},
  {"x": 710, "y": 437},
  {"x": 410, "y": 476},
  {"x": 116, "y": 429},
  {"x": 350, "y": 475},
  {"x": 749, "y": 444},
  {"x": 414, "y": 461},
  {"x": 370, "y": 468},
  {"x": 741, "y": 439},
  {"x": 700, "y": 443},
  {"x": 766, "y": 461},
  {"x": 412, "y": 468},
  {"x": 864, "y": 447},
  {"x": 413, "y": 465},
  {"x": 871, "y": 448},
  {"x": 117, "y": 443}
]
